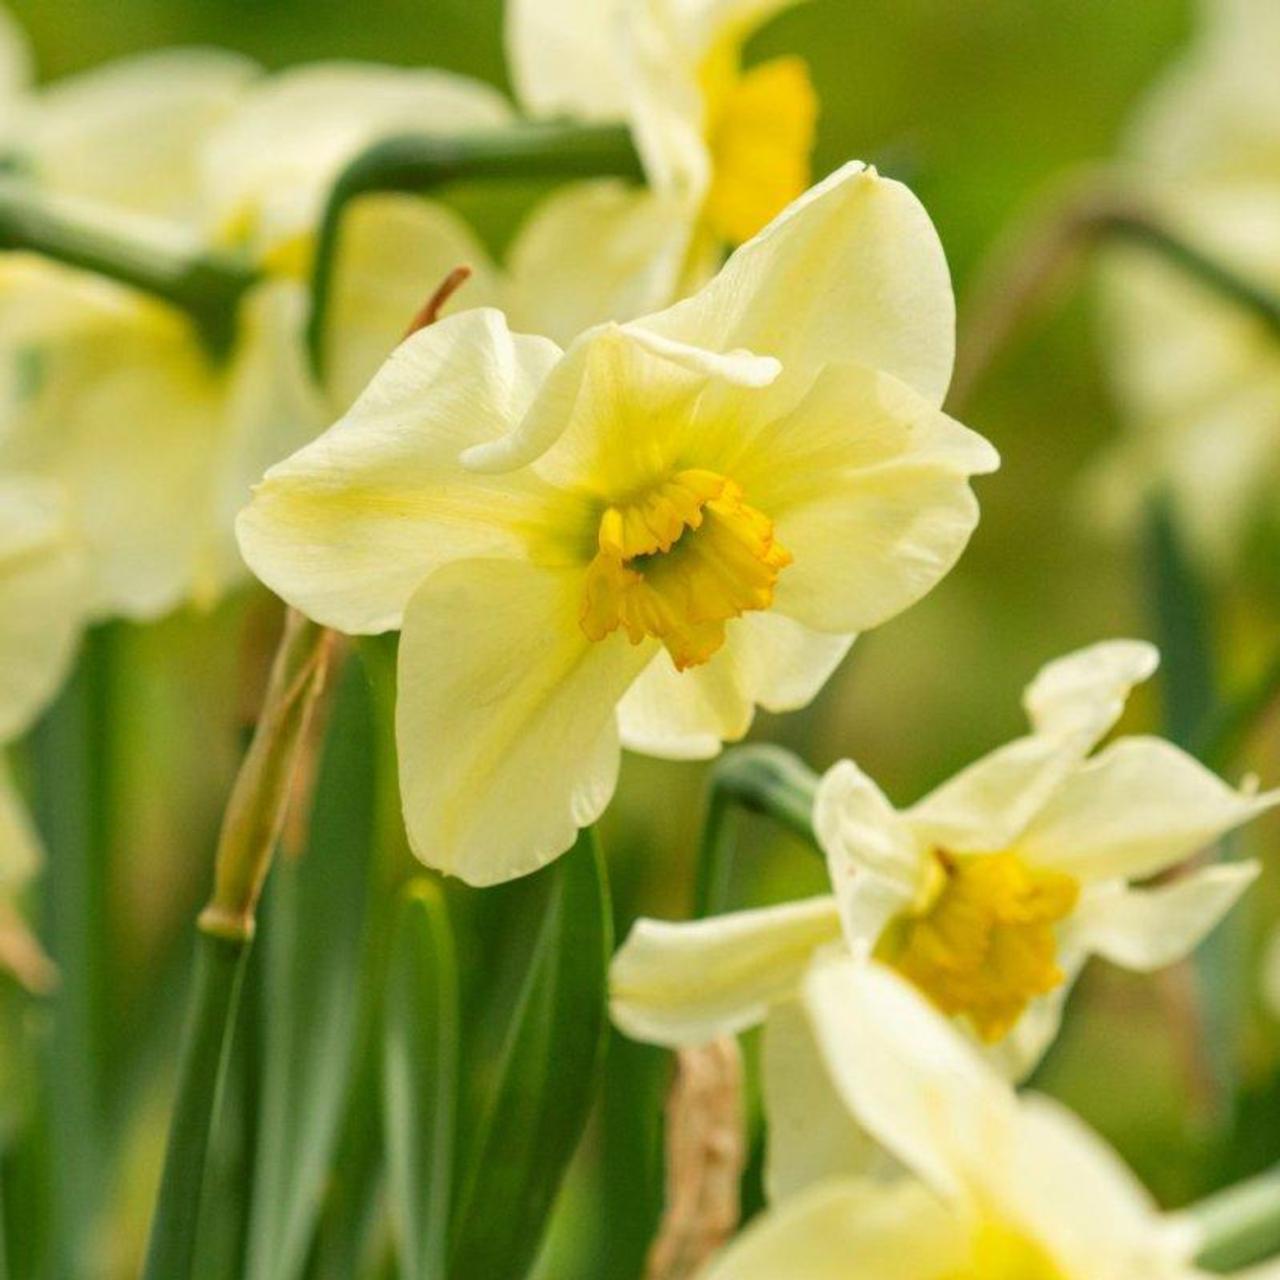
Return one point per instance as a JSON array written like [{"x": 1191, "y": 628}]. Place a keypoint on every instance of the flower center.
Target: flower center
[
  {"x": 678, "y": 562},
  {"x": 985, "y": 946},
  {"x": 1000, "y": 1253},
  {"x": 760, "y": 131}
]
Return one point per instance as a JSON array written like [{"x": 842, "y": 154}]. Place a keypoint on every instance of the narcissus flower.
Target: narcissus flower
[
  {"x": 725, "y": 148},
  {"x": 996, "y": 1187},
  {"x": 1198, "y": 375},
  {"x": 639, "y": 539},
  {"x": 990, "y": 893},
  {"x": 112, "y": 394}
]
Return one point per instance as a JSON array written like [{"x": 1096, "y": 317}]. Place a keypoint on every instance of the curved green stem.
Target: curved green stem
[
  {"x": 205, "y": 284},
  {"x": 761, "y": 779},
  {"x": 1241, "y": 1225},
  {"x": 420, "y": 164}
]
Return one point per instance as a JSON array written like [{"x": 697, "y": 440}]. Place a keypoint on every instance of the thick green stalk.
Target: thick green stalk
[
  {"x": 421, "y": 163},
  {"x": 171, "y": 1251},
  {"x": 1241, "y": 1225},
  {"x": 205, "y": 284}
]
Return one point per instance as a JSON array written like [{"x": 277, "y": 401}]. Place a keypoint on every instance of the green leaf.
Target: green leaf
[
  {"x": 546, "y": 1081},
  {"x": 312, "y": 934},
  {"x": 420, "y": 1080}
]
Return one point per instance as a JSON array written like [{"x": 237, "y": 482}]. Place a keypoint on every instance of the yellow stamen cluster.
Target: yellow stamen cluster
[
  {"x": 1002, "y": 1254},
  {"x": 760, "y": 131},
  {"x": 985, "y": 947},
  {"x": 679, "y": 561}
]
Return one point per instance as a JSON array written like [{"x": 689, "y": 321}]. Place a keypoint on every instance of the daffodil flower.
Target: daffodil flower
[
  {"x": 725, "y": 148},
  {"x": 995, "y": 1187},
  {"x": 638, "y": 539},
  {"x": 112, "y": 394},
  {"x": 988, "y": 895},
  {"x": 1197, "y": 376}
]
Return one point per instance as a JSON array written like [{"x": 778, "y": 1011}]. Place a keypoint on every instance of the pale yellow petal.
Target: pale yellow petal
[
  {"x": 810, "y": 1134},
  {"x": 129, "y": 134},
  {"x": 676, "y": 984},
  {"x": 269, "y": 167},
  {"x": 1146, "y": 929},
  {"x": 1085, "y": 692},
  {"x": 878, "y": 867},
  {"x": 638, "y": 241},
  {"x": 850, "y": 1231},
  {"x": 349, "y": 527},
  {"x": 767, "y": 660},
  {"x": 505, "y": 718},
  {"x": 1136, "y": 808},
  {"x": 852, "y": 271},
  {"x": 41, "y": 598},
  {"x": 396, "y": 250},
  {"x": 564, "y": 57},
  {"x": 907, "y": 1074}
]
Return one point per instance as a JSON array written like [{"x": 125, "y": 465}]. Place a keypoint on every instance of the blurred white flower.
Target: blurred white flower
[
  {"x": 995, "y": 1187},
  {"x": 1197, "y": 376},
  {"x": 642, "y": 538}
]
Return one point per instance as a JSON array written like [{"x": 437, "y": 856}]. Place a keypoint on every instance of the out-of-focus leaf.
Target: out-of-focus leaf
[
  {"x": 420, "y": 1080},
  {"x": 547, "y": 1079},
  {"x": 312, "y": 936}
]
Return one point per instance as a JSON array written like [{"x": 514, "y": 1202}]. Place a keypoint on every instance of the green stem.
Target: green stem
[
  {"x": 421, "y": 164},
  {"x": 205, "y": 284},
  {"x": 171, "y": 1250},
  {"x": 1241, "y": 1225},
  {"x": 761, "y": 779}
]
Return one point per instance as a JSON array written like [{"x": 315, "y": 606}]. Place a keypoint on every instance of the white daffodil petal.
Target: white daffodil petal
[
  {"x": 618, "y": 412},
  {"x": 348, "y": 528},
  {"x": 1137, "y": 807},
  {"x": 905, "y": 1073},
  {"x": 811, "y": 1136},
  {"x": 396, "y": 250},
  {"x": 1107, "y": 1217},
  {"x": 1146, "y": 929},
  {"x": 267, "y": 170},
  {"x": 563, "y": 57},
  {"x": 867, "y": 485},
  {"x": 1085, "y": 692},
  {"x": 128, "y": 381},
  {"x": 41, "y": 597},
  {"x": 505, "y": 719},
  {"x": 876, "y": 864},
  {"x": 638, "y": 241},
  {"x": 852, "y": 271},
  {"x": 986, "y": 806},
  {"x": 130, "y": 134},
  {"x": 843, "y": 1229},
  {"x": 767, "y": 660},
  {"x": 678, "y": 984}
]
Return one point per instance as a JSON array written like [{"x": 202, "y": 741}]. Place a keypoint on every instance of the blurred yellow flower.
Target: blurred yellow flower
[
  {"x": 639, "y": 539},
  {"x": 1198, "y": 377},
  {"x": 994, "y": 1187},
  {"x": 989, "y": 894}
]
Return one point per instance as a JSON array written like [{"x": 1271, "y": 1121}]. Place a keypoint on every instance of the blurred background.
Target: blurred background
[{"x": 979, "y": 105}]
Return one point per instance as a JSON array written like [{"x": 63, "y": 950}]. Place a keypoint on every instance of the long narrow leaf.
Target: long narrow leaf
[
  {"x": 420, "y": 1081},
  {"x": 547, "y": 1079},
  {"x": 312, "y": 935}
]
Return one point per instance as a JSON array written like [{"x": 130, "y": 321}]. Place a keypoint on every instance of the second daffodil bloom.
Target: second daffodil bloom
[
  {"x": 995, "y": 1187},
  {"x": 639, "y": 539},
  {"x": 990, "y": 893},
  {"x": 725, "y": 148}
]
